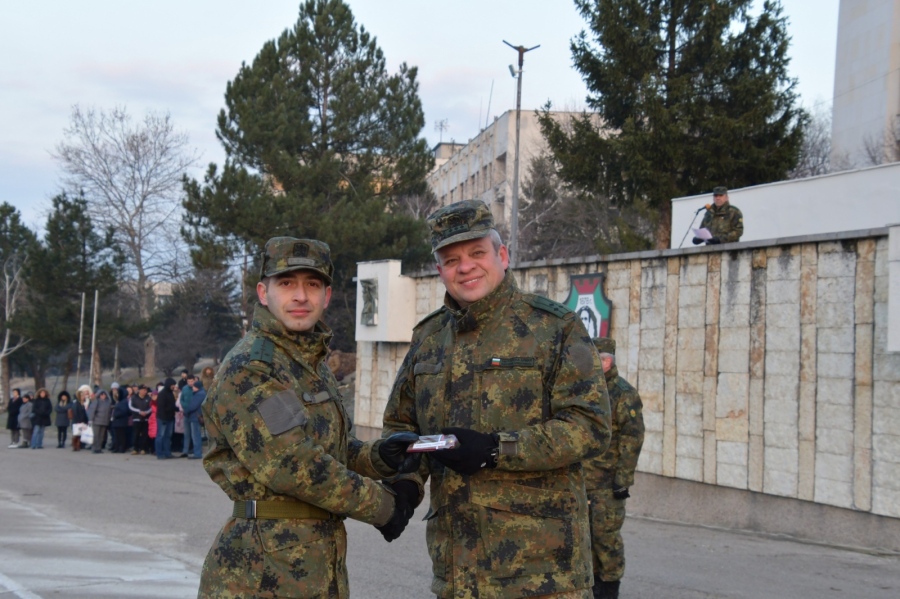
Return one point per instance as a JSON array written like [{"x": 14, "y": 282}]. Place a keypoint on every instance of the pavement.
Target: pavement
[{"x": 79, "y": 525}]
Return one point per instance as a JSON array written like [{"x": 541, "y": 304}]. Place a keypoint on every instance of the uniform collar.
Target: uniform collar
[
  {"x": 476, "y": 314},
  {"x": 717, "y": 209},
  {"x": 309, "y": 346},
  {"x": 612, "y": 373}
]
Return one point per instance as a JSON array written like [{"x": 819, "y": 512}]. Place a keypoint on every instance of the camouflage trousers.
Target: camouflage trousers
[
  {"x": 607, "y": 547},
  {"x": 303, "y": 559}
]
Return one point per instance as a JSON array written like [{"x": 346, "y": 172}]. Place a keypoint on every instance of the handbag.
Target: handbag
[{"x": 87, "y": 436}]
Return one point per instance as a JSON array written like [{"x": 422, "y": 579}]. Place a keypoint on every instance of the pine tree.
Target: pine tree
[
  {"x": 321, "y": 142},
  {"x": 690, "y": 93}
]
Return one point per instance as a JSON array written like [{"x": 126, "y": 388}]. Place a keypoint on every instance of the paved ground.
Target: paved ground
[{"x": 77, "y": 525}]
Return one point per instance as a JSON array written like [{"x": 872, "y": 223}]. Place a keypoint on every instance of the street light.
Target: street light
[{"x": 514, "y": 225}]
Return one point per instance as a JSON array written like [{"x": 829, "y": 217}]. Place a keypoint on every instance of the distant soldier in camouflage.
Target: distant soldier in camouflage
[
  {"x": 280, "y": 446},
  {"x": 516, "y": 378},
  {"x": 608, "y": 477},
  {"x": 724, "y": 221}
]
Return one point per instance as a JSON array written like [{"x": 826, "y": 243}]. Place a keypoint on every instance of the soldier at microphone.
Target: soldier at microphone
[{"x": 724, "y": 221}]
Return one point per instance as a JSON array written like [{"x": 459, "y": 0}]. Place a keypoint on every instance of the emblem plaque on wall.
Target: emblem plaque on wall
[{"x": 587, "y": 300}]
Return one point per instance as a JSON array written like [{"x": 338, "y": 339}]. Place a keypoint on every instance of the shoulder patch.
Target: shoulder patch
[
  {"x": 262, "y": 350},
  {"x": 547, "y": 305}
]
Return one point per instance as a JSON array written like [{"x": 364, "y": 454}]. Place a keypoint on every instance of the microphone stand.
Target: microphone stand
[{"x": 689, "y": 227}]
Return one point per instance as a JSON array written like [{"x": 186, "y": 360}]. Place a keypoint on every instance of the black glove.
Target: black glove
[
  {"x": 393, "y": 452},
  {"x": 696, "y": 241},
  {"x": 713, "y": 241},
  {"x": 407, "y": 493},
  {"x": 474, "y": 452},
  {"x": 621, "y": 493}
]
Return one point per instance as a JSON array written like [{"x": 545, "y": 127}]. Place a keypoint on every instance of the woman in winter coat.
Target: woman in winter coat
[
  {"x": 12, "y": 418},
  {"x": 42, "y": 412},
  {"x": 119, "y": 426},
  {"x": 99, "y": 414},
  {"x": 78, "y": 415},
  {"x": 151, "y": 426},
  {"x": 63, "y": 405},
  {"x": 25, "y": 425}
]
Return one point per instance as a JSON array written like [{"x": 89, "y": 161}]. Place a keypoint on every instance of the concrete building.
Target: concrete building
[
  {"x": 483, "y": 168},
  {"x": 866, "y": 77}
]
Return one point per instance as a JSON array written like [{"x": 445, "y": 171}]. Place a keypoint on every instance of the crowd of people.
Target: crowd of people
[{"x": 144, "y": 420}]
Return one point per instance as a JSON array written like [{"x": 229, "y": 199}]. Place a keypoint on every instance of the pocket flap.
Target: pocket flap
[
  {"x": 425, "y": 368},
  {"x": 521, "y": 499}
]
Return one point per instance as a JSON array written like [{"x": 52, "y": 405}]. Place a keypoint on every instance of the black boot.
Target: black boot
[{"x": 606, "y": 589}]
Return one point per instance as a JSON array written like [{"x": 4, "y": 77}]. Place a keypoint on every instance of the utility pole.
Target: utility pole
[
  {"x": 80, "y": 338},
  {"x": 514, "y": 225},
  {"x": 94, "y": 337}
]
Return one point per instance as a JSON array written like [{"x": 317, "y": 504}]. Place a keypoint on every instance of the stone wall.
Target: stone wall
[{"x": 762, "y": 366}]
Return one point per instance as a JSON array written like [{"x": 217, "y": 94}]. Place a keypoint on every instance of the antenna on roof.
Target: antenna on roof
[
  {"x": 441, "y": 125},
  {"x": 488, "y": 115}
]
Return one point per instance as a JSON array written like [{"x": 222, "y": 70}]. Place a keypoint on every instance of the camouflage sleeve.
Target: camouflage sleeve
[
  {"x": 287, "y": 460},
  {"x": 630, "y": 436},
  {"x": 707, "y": 220},
  {"x": 578, "y": 427},
  {"x": 736, "y": 226}
]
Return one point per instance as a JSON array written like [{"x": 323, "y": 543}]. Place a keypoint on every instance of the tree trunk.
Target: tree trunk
[
  {"x": 40, "y": 374},
  {"x": 664, "y": 226},
  {"x": 150, "y": 356},
  {"x": 97, "y": 374},
  {"x": 4, "y": 383},
  {"x": 67, "y": 370},
  {"x": 117, "y": 374}
]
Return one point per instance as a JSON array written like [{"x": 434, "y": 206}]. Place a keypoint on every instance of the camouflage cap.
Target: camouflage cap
[
  {"x": 470, "y": 219},
  {"x": 720, "y": 191},
  {"x": 605, "y": 345},
  {"x": 284, "y": 254}
]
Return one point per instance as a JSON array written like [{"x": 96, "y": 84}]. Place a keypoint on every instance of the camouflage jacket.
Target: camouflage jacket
[
  {"x": 726, "y": 223},
  {"x": 279, "y": 432},
  {"x": 615, "y": 467},
  {"x": 522, "y": 366}
]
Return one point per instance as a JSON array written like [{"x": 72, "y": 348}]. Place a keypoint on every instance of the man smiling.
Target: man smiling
[{"x": 517, "y": 379}]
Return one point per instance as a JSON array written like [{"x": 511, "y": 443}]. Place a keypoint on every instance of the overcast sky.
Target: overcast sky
[{"x": 177, "y": 56}]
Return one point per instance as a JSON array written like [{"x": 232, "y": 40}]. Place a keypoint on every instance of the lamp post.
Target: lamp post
[{"x": 514, "y": 225}]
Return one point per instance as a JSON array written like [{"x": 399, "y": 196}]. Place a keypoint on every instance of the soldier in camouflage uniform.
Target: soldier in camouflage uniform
[
  {"x": 280, "y": 446},
  {"x": 608, "y": 477},
  {"x": 724, "y": 221},
  {"x": 516, "y": 378}
]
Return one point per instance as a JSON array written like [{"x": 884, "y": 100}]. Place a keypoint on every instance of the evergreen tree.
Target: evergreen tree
[
  {"x": 74, "y": 257},
  {"x": 690, "y": 94},
  {"x": 321, "y": 142}
]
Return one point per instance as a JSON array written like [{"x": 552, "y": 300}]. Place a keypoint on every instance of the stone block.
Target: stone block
[
  {"x": 830, "y": 416},
  {"x": 691, "y": 338},
  {"x": 781, "y": 459},
  {"x": 735, "y": 315},
  {"x": 653, "y": 338},
  {"x": 886, "y": 367},
  {"x": 782, "y": 435},
  {"x": 832, "y": 493},
  {"x": 731, "y": 475},
  {"x": 837, "y": 264},
  {"x": 736, "y": 338},
  {"x": 783, "y": 292},
  {"x": 886, "y": 421},
  {"x": 653, "y": 297},
  {"x": 687, "y": 381},
  {"x": 834, "y": 467},
  {"x": 692, "y": 295},
  {"x": 786, "y": 340},
  {"x": 733, "y": 429},
  {"x": 651, "y": 387},
  {"x": 784, "y": 412},
  {"x": 729, "y": 452},
  {"x": 734, "y": 361},
  {"x": 650, "y": 359},
  {"x": 669, "y": 457},
  {"x": 732, "y": 393},
  {"x": 710, "y": 389},
  {"x": 886, "y": 502},
  {"x": 830, "y": 315},
  {"x": 808, "y": 338},
  {"x": 734, "y": 293},
  {"x": 838, "y": 365},
  {"x": 782, "y": 362},
  {"x": 780, "y": 483},
  {"x": 650, "y": 461},
  {"x": 709, "y": 458},
  {"x": 783, "y": 267},
  {"x": 694, "y": 274},
  {"x": 713, "y": 289},
  {"x": 835, "y": 391},
  {"x": 886, "y": 448},
  {"x": 618, "y": 279},
  {"x": 865, "y": 288},
  {"x": 755, "y": 403},
  {"x": 783, "y": 316},
  {"x": 653, "y": 318},
  {"x": 692, "y": 316},
  {"x": 689, "y": 446},
  {"x": 838, "y": 340},
  {"x": 711, "y": 351},
  {"x": 836, "y": 290},
  {"x": 834, "y": 441},
  {"x": 619, "y": 299},
  {"x": 653, "y": 275},
  {"x": 756, "y": 452},
  {"x": 886, "y": 475},
  {"x": 882, "y": 289},
  {"x": 670, "y": 350},
  {"x": 653, "y": 421},
  {"x": 863, "y": 358},
  {"x": 736, "y": 266},
  {"x": 781, "y": 387},
  {"x": 886, "y": 394},
  {"x": 807, "y": 469},
  {"x": 689, "y": 469},
  {"x": 807, "y": 411},
  {"x": 620, "y": 265},
  {"x": 691, "y": 360},
  {"x": 862, "y": 479}
]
